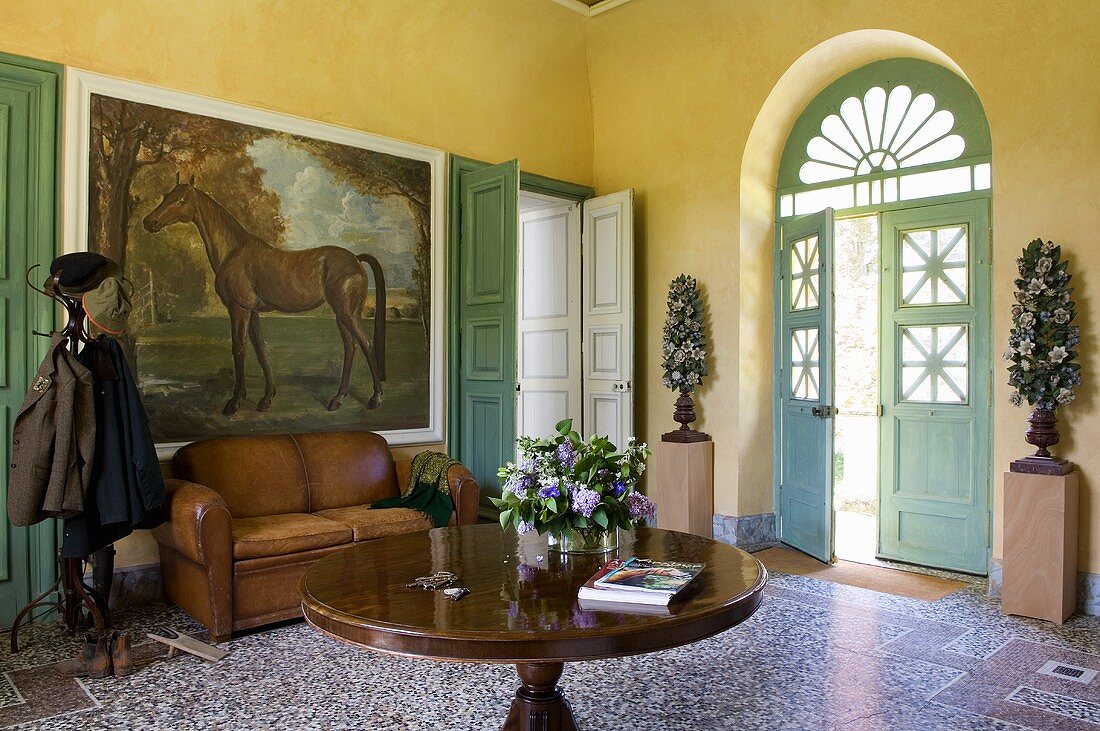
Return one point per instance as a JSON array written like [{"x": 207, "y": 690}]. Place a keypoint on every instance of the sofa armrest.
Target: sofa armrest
[
  {"x": 198, "y": 524},
  {"x": 465, "y": 493}
]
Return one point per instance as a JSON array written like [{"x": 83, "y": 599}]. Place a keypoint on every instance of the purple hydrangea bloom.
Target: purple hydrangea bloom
[
  {"x": 566, "y": 454},
  {"x": 528, "y": 465},
  {"x": 550, "y": 490},
  {"x": 584, "y": 501},
  {"x": 618, "y": 487},
  {"x": 640, "y": 506},
  {"x": 520, "y": 485}
]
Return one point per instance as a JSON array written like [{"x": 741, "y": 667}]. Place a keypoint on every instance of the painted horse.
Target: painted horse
[{"x": 252, "y": 276}]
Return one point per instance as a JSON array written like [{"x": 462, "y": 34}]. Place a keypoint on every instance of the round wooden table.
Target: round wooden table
[{"x": 522, "y": 607}]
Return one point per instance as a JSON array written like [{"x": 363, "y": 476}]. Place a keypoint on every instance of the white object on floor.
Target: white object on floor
[{"x": 179, "y": 641}]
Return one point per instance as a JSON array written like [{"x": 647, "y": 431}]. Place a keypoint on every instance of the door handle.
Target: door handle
[
  {"x": 620, "y": 386},
  {"x": 824, "y": 412}
]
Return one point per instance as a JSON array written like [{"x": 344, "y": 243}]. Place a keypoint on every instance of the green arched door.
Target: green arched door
[{"x": 903, "y": 144}]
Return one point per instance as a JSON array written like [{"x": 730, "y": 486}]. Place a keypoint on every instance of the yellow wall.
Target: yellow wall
[
  {"x": 500, "y": 79},
  {"x": 676, "y": 90},
  {"x": 495, "y": 80}
]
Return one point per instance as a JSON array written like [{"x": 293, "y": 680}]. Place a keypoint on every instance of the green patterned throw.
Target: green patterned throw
[{"x": 428, "y": 490}]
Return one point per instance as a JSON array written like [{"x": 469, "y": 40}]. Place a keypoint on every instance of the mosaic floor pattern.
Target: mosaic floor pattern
[{"x": 816, "y": 655}]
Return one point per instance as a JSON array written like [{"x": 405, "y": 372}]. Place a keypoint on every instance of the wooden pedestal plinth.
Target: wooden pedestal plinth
[
  {"x": 1040, "y": 546},
  {"x": 684, "y": 488}
]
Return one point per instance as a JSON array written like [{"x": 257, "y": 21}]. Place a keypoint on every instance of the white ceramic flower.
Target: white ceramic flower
[
  {"x": 1043, "y": 265},
  {"x": 1027, "y": 320},
  {"x": 1016, "y": 399},
  {"x": 1061, "y": 316},
  {"x": 1064, "y": 396},
  {"x": 1057, "y": 354},
  {"x": 1025, "y": 347},
  {"x": 1035, "y": 286}
]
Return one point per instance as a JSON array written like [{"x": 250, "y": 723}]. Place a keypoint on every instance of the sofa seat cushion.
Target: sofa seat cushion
[
  {"x": 366, "y": 523},
  {"x": 275, "y": 535}
]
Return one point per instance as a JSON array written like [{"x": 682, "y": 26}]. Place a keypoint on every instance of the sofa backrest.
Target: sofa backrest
[
  {"x": 256, "y": 475},
  {"x": 347, "y": 468},
  {"x": 291, "y": 473}
]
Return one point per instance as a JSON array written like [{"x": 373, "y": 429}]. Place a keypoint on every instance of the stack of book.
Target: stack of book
[{"x": 636, "y": 582}]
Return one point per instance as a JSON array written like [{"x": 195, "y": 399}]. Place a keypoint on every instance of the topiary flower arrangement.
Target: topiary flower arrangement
[
  {"x": 579, "y": 492},
  {"x": 1042, "y": 345},
  {"x": 684, "y": 353}
]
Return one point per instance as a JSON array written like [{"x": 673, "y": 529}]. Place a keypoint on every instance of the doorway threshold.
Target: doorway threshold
[{"x": 888, "y": 579}]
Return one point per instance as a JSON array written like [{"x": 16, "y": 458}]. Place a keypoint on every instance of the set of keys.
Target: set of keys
[{"x": 440, "y": 580}]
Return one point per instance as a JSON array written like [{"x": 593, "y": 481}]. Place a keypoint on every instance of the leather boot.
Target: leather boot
[
  {"x": 120, "y": 654},
  {"x": 93, "y": 662}
]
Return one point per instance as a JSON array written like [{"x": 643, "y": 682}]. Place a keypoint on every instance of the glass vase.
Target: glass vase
[{"x": 584, "y": 541}]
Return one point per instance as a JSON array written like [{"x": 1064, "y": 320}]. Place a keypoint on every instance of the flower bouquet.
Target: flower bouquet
[
  {"x": 1042, "y": 350},
  {"x": 684, "y": 354},
  {"x": 580, "y": 492}
]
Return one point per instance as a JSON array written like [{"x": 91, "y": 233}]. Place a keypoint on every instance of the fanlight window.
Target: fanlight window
[
  {"x": 868, "y": 140},
  {"x": 879, "y": 133}
]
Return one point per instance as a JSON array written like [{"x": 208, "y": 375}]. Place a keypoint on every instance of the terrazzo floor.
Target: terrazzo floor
[{"x": 816, "y": 655}]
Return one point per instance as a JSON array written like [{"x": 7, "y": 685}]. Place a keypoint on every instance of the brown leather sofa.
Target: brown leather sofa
[{"x": 247, "y": 516}]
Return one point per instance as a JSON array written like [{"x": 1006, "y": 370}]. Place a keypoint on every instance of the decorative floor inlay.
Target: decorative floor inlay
[
  {"x": 1060, "y": 704},
  {"x": 9, "y": 695},
  {"x": 817, "y": 655}
]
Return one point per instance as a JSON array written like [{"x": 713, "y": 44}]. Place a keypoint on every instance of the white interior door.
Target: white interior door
[
  {"x": 549, "y": 281},
  {"x": 607, "y": 286}
]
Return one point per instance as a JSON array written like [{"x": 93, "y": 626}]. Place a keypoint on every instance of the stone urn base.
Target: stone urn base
[
  {"x": 1043, "y": 433},
  {"x": 684, "y": 415}
]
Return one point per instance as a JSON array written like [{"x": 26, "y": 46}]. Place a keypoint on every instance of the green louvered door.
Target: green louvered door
[
  {"x": 806, "y": 386},
  {"x": 486, "y": 303},
  {"x": 28, "y": 180},
  {"x": 934, "y": 491}
]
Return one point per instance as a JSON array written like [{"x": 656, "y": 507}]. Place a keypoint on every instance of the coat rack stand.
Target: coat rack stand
[{"x": 70, "y": 579}]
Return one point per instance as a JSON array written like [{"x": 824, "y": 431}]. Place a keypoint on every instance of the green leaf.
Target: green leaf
[
  {"x": 505, "y": 518},
  {"x": 600, "y": 517}
]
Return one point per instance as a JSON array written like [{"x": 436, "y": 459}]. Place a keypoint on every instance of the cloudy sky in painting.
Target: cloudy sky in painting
[{"x": 320, "y": 211}]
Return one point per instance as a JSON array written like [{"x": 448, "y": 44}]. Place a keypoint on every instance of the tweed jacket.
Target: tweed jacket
[{"x": 53, "y": 441}]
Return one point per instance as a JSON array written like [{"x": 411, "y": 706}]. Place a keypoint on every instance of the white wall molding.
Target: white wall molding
[{"x": 590, "y": 10}]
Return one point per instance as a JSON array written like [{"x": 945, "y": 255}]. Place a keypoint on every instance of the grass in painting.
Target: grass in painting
[{"x": 193, "y": 366}]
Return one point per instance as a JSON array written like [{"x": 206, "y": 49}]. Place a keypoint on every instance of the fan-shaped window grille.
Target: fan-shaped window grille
[{"x": 891, "y": 131}]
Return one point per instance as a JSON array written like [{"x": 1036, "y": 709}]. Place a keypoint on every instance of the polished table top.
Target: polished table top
[{"x": 523, "y": 602}]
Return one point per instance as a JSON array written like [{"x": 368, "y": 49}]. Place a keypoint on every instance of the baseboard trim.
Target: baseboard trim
[
  {"x": 745, "y": 531},
  {"x": 136, "y": 585},
  {"x": 1088, "y": 588},
  {"x": 1088, "y": 593},
  {"x": 996, "y": 577}
]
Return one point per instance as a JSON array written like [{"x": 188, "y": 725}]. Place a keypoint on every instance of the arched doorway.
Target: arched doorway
[{"x": 882, "y": 320}]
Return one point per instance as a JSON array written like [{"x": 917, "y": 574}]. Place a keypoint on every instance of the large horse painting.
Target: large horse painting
[{"x": 266, "y": 253}]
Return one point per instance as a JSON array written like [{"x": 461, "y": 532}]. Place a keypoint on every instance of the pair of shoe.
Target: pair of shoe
[{"x": 101, "y": 657}]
